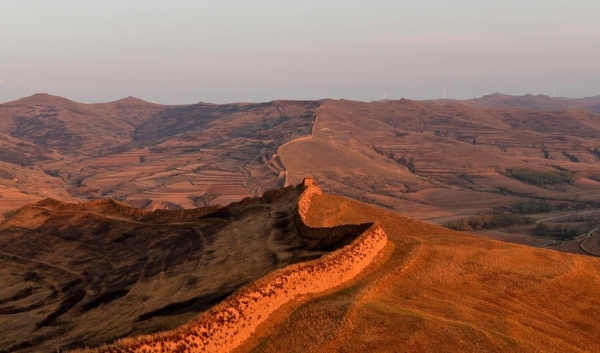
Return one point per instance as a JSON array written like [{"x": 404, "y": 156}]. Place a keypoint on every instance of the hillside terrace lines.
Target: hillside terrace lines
[
  {"x": 231, "y": 322},
  {"x": 234, "y": 138}
]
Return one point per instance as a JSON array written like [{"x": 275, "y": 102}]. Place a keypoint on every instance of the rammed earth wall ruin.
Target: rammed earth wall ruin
[{"x": 231, "y": 322}]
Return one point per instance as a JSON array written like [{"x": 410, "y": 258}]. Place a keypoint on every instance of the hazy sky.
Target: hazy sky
[{"x": 223, "y": 51}]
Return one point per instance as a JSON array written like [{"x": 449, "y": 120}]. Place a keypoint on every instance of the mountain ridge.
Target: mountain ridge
[{"x": 434, "y": 160}]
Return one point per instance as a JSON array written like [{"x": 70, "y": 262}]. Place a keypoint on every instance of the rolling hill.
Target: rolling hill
[
  {"x": 438, "y": 290},
  {"x": 437, "y": 161},
  {"x": 84, "y": 274},
  {"x": 147, "y": 155},
  {"x": 401, "y": 285}
]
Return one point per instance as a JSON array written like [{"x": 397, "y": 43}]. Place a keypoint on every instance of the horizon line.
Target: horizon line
[{"x": 201, "y": 101}]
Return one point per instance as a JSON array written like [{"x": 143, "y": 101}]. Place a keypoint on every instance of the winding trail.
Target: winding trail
[
  {"x": 587, "y": 244},
  {"x": 303, "y": 138},
  {"x": 564, "y": 216}
]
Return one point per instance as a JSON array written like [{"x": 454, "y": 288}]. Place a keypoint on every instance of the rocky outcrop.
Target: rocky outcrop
[{"x": 232, "y": 321}]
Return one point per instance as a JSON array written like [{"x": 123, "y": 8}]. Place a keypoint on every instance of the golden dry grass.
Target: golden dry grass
[
  {"x": 88, "y": 273},
  {"x": 447, "y": 291}
]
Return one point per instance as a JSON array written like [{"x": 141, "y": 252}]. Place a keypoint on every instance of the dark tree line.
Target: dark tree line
[
  {"x": 558, "y": 231},
  {"x": 528, "y": 207},
  {"x": 488, "y": 221},
  {"x": 540, "y": 178},
  {"x": 571, "y": 157}
]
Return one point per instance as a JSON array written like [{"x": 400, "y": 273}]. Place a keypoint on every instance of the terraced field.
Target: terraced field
[
  {"x": 451, "y": 156},
  {"x": 432, "y": 160},
  {"x": 148, "y": 155}
]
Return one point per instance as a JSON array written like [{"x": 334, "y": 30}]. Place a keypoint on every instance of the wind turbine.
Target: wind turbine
[
  {"x": 444, "y": 92},
  {"x": 4, "y": 98},
  {"x": 385, "y": 96},
  {"x": 249, "y": 100}
]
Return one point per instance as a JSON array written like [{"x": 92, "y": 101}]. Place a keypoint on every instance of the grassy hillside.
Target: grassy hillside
[{"x": 445, "y": 291}]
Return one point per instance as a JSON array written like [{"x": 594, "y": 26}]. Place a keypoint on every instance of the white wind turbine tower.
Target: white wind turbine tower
[
  {"x": 4, "y": 98},
  {"x": 385, "y": 96},
  {"x": 444, "y": 92}
]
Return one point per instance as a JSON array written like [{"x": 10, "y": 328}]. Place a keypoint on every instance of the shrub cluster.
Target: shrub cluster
[
  {"x": 467, "y": 178},
  {"x": 529, "y": 207},
  {"x": 595, "y": 177},
  {"x": 203, "y": 200},
  {"x": 558, "y": 231},
  {"x": 540, "y": 178},
  {"x": 10, "y": 214},
  {"x": 571, "y": 157},
  {"x": 488, "y": 221}
]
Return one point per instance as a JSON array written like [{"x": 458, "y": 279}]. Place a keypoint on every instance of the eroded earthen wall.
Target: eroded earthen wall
[{"x": 231, "y": 322}]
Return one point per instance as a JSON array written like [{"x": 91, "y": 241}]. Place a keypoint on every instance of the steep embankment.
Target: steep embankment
[
  {"x": 443, "y": 291},
  {"x": 230, "y": 323},
  {"x": 76, "y": 275}
]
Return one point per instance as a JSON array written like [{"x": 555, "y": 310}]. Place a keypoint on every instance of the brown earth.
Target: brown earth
[
  {"x": 443, "y": 291},
  {"x": 445, "y": 160},
  {"x": 431, "y": 160},
  {"x": 442, "y": 160},
  {"x": 145, "y": 154},
  {"x": 85, "y": 274},
  {"x": 233, "y": 321},
  {"x": 432, "y": 290}
]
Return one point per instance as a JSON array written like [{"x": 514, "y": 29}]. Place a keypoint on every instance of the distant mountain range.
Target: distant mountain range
[{"x": 412, "y": 156}]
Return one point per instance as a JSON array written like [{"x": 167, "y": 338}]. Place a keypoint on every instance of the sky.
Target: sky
[{"x": 183, "y": 51}]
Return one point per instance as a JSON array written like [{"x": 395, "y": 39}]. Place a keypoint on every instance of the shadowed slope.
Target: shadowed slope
[
  {"x": 433, "y": 290},
  {"x": 86, "y": 274},
  {"x": 236, "y": 319}
]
